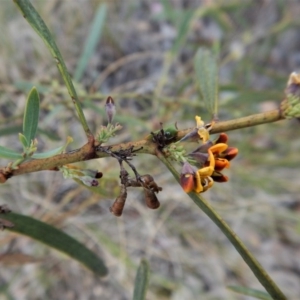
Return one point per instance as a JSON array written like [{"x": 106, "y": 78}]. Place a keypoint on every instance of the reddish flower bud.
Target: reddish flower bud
[
  {"x": 219, "y": 177},
  {"x": 187, "y": 177},
  {"x": 230, "y": 153},
  {"x": 110, "y": 109},
  {"x": 187, "y": 182},
  {"x": 223, "y": 138}
]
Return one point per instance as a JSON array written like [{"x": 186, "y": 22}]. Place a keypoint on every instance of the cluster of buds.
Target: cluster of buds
[
  {"x": 290, "y": 106},
  {"x": 149, "y": 186},
  {"x": 210, "y": 159},
  {"x": 86, "y": 176}
]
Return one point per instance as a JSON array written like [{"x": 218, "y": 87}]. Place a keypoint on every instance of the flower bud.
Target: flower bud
[
  {"x": 222, "y": 138},
  {"x": 230, "y": 153},
  {"x": 187, "y": 177},
  {"x": 110, "y": 109},
  {"x": 219, "y": 177},
  {"x": 290, "y": 106}
]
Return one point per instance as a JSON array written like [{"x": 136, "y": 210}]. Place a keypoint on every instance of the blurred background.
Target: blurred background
[{"x": 144, "y": 59}]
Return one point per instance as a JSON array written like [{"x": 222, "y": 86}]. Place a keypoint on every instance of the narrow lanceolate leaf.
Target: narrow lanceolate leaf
[
  {"x": 207, "y": 75},
  {"x": 23, "y": 141},
  {"x": 56, "y": 239},
  {"x": 31, "y": 115},
  {"x": 34, "y": 19},
  {"x": 250, "y": 292},
  {"x": 91, "y": 41},
  {"x": 8, "y": 153},
  {"x": 141, "y": 281}
]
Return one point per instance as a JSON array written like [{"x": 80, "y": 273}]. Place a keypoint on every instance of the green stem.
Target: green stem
[
  {"x": 250, "y": 260},
  {"x": 34, "y": 19}
]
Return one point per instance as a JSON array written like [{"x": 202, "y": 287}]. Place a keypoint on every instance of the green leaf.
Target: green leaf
[
  {"x": 250, "y": 292},
  {"x": 8, "y": 130},
  {"x": 141, "y": 281},
  {"x": 53, "y": 152},
  {"x": 49, "y": 153},
  {"x": 23, "y": 140},
  {"x": 31, "y": 115},
  {"x": 182, "y": 31},
  {"x": 92, "y": 41},
  {"x": 34, "y": 19},
  {"x": 207, "y": 76},
  {"x": 8, "y": 153},
  {"x": 56, "y": 239}
]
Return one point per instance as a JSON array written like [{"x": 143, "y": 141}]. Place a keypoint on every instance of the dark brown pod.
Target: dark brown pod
[
  {"x": 149, "y": 183},
  {"x": 151, "y": 199},
  {"x": 118, "y": 205},
  {"x": 147, "y": 179}
]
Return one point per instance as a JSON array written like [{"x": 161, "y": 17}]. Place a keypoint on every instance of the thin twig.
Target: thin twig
[{"x": 146, "y": 145}]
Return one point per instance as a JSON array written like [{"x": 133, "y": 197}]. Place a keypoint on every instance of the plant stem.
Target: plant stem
[
  {"x": 34, "y": 19},
  {"x": 252, "y": 120},
  {"x": 146, "y": 145},
  {"x": 250, "y": 260},
  {"x": 249, "y": 121}
]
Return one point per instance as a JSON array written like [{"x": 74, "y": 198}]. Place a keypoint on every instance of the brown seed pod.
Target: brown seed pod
[
  {"x": 118, "y": 205},
  {"x": 148, "y": 182},
  {"x": 151, "y": 199},
  {"x": 147, "y": 179}
]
